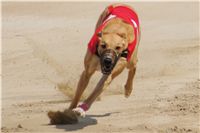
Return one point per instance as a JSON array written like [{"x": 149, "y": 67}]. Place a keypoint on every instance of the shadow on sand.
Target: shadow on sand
[{"x": 83, "y": 122}]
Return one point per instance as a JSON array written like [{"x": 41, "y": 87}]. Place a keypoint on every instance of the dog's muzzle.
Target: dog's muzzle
[{"x": 108, "y": 60}]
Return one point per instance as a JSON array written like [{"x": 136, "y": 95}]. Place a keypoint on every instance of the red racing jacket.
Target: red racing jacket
[{"x": 125, "y": 14}]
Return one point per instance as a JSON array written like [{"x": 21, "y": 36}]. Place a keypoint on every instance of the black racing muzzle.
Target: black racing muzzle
[{"x": 108, "y": 60}]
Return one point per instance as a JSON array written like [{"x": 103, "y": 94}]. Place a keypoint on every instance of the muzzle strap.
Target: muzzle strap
[
  {"x": 97, "y": 53},
  {"x": 124, "y": 53}
]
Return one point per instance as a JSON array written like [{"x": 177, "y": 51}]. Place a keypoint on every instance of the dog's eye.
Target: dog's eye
[
  {"x": 103, "y": 46},
  {"x": 118, "y": 48}
]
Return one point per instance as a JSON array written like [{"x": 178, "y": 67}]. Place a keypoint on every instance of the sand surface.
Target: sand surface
[{"x": 43, "y": 46}]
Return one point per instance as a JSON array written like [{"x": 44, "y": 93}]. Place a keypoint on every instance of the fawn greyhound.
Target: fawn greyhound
[{"x": 112, "y": 48}]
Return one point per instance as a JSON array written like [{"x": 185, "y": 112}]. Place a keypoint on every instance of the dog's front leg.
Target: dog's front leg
[
  {"x": 129, "y": 83},
  {"x": 131, "y": 74},
  {"x": 80, "y": 110},
  {"x": 82, "y": 84},
  {"x": 90, "y": 67},
  {"x": 103, "y": 83}
]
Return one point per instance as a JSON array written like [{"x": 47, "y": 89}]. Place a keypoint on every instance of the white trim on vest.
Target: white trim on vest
[
  {"x": 134, "y": 23},
  {"x": 109, "y": 17}
]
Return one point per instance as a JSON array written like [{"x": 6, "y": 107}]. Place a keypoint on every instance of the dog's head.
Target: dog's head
[
  {"x": 113, "y": 40},
  {"x": 110, "y": 47}
]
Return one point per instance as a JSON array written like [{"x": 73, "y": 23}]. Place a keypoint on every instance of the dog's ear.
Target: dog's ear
[{"x": 99, "y": 35}]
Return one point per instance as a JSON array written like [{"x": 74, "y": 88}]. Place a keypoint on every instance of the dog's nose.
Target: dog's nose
[{"x": 107, "y": 61}]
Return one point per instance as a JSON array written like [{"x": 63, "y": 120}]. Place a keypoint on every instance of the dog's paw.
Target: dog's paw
[
  {"x": 79, "y": 111},
  {"x": 127, "y": 91}
]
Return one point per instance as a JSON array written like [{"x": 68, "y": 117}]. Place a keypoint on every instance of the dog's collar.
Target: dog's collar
[{"x": 97, "y": 53}]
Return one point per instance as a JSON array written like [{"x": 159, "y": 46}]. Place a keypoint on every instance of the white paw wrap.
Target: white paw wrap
[{"x": 79, "y": 111}]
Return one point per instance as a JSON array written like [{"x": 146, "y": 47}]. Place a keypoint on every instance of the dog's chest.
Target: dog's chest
[{"x": 98, "y": 68}]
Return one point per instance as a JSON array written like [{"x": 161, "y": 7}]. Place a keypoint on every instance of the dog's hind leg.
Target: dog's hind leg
[{"x": 90, "y": 66}]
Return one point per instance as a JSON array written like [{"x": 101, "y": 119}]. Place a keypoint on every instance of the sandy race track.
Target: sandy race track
[{"x": 43, "y": 46}]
